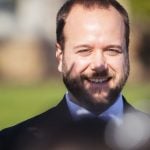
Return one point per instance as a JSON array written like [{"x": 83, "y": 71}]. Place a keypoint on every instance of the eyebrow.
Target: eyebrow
[
  {"x": 114, "y": 46},
  {"x": 88, "y": 46},
  {"x": 82, "y": 46}
]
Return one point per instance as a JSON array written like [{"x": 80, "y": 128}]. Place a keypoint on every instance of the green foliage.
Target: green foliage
[
  {"x": 140, "y": 8},
  {"x": 138, "y": 95},
  {"x": 18, "y": 103}
]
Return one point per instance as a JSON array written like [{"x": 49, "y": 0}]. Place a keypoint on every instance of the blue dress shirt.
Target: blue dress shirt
[{"x": 114, "y": 112}]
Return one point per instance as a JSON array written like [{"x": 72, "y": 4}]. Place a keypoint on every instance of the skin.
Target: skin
[{"x": 94, "y": 61}]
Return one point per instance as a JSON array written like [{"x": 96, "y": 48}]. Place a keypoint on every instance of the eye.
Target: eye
[
  {"x": 112, "y": 51},
  {"x": 84, "y": 52}
]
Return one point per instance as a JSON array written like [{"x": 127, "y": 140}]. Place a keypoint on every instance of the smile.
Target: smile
[{"x": 99, "y": 80}]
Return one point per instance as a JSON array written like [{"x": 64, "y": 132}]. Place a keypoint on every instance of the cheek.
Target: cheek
[
  {"x": 117, "y": 64},
  {"x": 83, "y": 64},
  {"x": 76, "y": 65}
]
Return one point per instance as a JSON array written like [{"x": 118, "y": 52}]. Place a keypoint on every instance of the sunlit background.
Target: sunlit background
[{"x": 29, "y": 81}]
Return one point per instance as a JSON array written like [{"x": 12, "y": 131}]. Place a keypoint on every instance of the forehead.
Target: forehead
[
  {"x": 80, "y": 15},
  {"x": 100, "y": 20}
]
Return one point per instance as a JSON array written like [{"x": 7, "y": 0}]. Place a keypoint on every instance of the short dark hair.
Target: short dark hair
[{"x": 68, "y": 5}]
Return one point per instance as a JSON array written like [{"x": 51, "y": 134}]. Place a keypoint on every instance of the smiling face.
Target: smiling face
[{"x": 94, "y": 62}]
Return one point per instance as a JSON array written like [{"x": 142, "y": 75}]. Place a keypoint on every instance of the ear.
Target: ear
[{"x": 59, "y": 56}]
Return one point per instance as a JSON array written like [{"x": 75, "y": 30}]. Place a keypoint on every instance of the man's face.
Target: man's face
[{"x": 94, "y": 62}]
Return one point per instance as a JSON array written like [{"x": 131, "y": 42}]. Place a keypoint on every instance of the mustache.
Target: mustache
[
  {"x": 99, "y": 74},
  {"x": 95, "y": 74}
]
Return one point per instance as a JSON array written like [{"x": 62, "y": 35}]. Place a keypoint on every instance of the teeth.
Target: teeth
[{"x": 99, "y": 80}]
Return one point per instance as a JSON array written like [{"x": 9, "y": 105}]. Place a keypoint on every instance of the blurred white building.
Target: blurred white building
[
  {"x": 28, "y": 18},
  {"x": 27, "y": 35}
]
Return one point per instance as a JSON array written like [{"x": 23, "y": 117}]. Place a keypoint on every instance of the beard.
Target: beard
[{"x": 95, "y": 97}]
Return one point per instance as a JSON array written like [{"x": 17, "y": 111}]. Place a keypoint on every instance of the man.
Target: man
[{"x": 92, "y": 53}]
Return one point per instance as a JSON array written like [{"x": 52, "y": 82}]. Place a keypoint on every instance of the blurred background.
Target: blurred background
[{"x": 29, "y": 81}]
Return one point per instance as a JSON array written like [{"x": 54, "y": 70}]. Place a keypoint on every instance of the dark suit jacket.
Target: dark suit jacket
[{"x": 56, "y": 130}]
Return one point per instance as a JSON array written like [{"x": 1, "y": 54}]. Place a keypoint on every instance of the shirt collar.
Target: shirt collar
[{"x": 115, "y": 111}]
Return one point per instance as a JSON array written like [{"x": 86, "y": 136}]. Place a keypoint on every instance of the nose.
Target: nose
[{"x": 98, "y": 62}]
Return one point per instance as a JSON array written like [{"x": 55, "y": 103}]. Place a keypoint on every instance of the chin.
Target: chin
[
  {"x": 105, "y": 97},
  {"x": 100, "y": 99}
]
